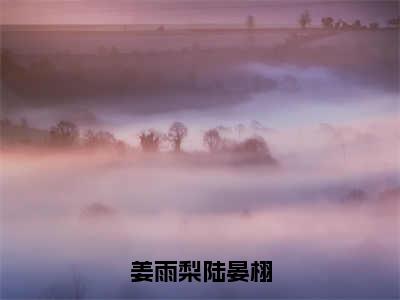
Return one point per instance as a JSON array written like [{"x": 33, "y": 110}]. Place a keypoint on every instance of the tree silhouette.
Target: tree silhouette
[
  {"x": 255, "y": 144},
  {"x": 338, "y": 24},
  {"x": 89, "y": 138},
  {"x": 345, "y": 25},
  {"x": 394, "y": 22},
  {"x": 212, "y": 140},
  {"x": 250, "y": 22},
  {"x": 150, "y": 140},
  {"x": 100, "y": 138},
  {"x": 305, "y": 19},
  {"x": 65, "y": 133},
  {"x": 327, "y": 22},
  {"x": 374, "y": 25},
  {"x": 254, "y": 149},
  {"x": 177, "y": 132},
  {"x": 357, "y": 24}
]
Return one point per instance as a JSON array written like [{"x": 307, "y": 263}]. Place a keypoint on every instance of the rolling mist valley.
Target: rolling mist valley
[{"x": 124, "y": 143}]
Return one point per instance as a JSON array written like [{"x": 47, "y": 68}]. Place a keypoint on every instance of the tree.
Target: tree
[
  {"x": 89, "y": 138},
  {"x": 345, "y": 25},
  {"x": 251, "y": 150},
  {"x": 338, "y": 24},
  {"x": 305, "y": 19},
  {"x": 150, "y": 140},
  {"x": 65, "y": 133},
  {"x": 327, "y": 22},
  {"x": 374, "y": 25},
  {"x": 255, "y": 144},
  {"x": 212, "y": 140},
  {"x": 357, "y": 24},
  {"x": 99, "y": 138},
  {"x": 250, "y": 22},
  {"x": 394, "y": 22},
  {"x": 177, "y": 132}
]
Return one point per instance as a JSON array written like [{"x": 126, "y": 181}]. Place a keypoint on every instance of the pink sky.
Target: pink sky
[{"x": 267, "y": 12}]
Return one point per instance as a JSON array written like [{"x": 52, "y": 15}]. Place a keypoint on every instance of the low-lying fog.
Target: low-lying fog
[
  {"x": 301, "y": 97},
  {"x": 72, "y": 223},
  {"x": 327, "y": 216}
]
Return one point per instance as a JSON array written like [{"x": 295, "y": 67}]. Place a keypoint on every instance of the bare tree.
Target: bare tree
[
  {"x": 65, "y": 133},
  {"x": 100, "y": 138},
  {"x": 177, "y": 132},
  {"x": 212, "y": 140},
  {"x": 305, "y": 19}
]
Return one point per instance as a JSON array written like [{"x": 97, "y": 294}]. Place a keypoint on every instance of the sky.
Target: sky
[{"x": 266, "y": 12}]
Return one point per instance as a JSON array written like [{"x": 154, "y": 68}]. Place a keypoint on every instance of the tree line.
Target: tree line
[
  {"x": 328, "y": 22},
  {"x": 66, "y": 134}
]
